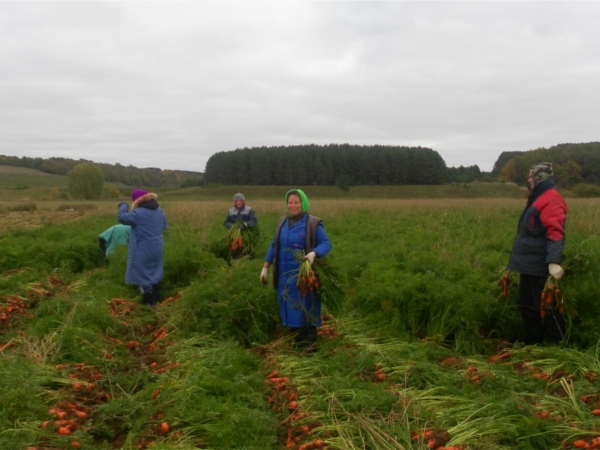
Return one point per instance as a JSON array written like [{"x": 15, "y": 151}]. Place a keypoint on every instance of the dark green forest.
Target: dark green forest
[
  {"x": 502, "y": 160},
  {"x": 127, "y": 175},
  {"x": 572, "y": 163},
  {"x": 329, "y": 165},
  {"x": 345, "y": 165}
]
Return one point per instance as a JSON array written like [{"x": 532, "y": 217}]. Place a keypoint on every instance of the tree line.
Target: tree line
[
  {"x": 329, "y": 165},
  {"x": 127, "y": 175},
  {"x": 572, "y": 164}
]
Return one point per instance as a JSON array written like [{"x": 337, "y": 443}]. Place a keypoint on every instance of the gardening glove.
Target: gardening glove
[
  {"x": 555, "y": 271},
  {"x": 310, "y": 257},
  {"x": 264, "y": 273}
]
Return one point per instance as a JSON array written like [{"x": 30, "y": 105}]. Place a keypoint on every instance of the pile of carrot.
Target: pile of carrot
[
  {"x": 55, "y": 281},
  {"x": 69, "y": 416},
  {"x": 14, "y": 306},
  {"x": 84, "y": 385},
  {"x": 121, "y": 307}
]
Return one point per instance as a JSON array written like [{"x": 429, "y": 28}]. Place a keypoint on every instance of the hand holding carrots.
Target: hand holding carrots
[
  {"x": 555, "y": 271},
  {"x": 310, "y": 257}
]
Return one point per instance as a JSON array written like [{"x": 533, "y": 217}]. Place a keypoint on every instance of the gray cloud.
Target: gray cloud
[{"x": 167, "y": 84}]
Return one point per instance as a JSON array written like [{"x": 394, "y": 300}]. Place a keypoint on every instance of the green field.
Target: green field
[{"x": 421, "y": 352}]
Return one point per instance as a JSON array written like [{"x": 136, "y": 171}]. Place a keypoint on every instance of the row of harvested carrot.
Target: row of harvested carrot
[{"x": 285, "y": 398}]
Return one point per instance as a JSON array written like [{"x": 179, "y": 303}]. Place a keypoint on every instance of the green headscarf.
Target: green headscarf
[{"x": 303, "y": 200}]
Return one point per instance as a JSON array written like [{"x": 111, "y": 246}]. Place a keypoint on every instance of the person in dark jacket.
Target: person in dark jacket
[
  {"x": 297, "y": 231},
  {"x": 244, "y": 217},
  {"x": 537, "y": 253},
  {"x": 145, "y": 256}
]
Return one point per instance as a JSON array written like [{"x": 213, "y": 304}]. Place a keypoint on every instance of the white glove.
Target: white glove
[
  {"x": 311, "y": 257},
  {"x": 556, "y": 271},
  {"x": 264, "y": 273}
]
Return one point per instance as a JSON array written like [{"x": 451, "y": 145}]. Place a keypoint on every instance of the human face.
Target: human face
[
  {"x": 530, "y": 181},
  {"x": 239, "y": 204},
  {"x": 294, "y": 204}
]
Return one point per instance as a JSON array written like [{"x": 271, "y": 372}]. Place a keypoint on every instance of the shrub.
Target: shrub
[
  {"x": 585, "y": 190},
  {"x": 55, "y": 194},
  {"x": 86, "y": 181}
]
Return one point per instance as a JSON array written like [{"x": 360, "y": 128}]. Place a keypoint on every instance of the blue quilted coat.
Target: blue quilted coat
[
  {"x": 296, "y": 310},
  {"x": 145, "y": 257}
]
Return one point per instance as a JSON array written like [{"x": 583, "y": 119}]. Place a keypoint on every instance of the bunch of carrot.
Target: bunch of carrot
[
  {"x": 551, "y": 298},
  {"x": 235, "y": 242},
  {"x": 504, "y": 282},
  {"x": 307, "y": 281}
]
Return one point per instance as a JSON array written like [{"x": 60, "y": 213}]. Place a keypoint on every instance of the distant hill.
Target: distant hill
[{"x": 127, "y": 175}]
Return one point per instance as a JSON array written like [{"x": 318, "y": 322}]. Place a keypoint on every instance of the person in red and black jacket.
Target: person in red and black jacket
[{"x": 537, "y": 253}]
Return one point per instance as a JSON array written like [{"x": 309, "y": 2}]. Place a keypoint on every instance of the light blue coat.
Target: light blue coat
[{"x": 145, "y": 257}]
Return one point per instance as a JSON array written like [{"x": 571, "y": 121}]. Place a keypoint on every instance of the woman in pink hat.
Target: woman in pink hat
[{"x": 145, "y": 257}]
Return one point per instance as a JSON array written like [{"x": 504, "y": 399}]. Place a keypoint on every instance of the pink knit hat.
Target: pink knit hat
[{"x": 137, "y": 193}]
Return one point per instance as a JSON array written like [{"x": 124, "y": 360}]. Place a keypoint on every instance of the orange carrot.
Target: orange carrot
[
  {"x": 163, "y": 428},
  {"x": 64, "y": 431}
]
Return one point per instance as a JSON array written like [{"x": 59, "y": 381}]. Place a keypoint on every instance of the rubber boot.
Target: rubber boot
[
  {"x": 148, "y": 299},
  {"x": 306, "y": 339},
  {"x": 156, "y": 293}
]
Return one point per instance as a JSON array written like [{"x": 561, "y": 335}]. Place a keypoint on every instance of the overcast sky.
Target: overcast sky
[{"x": 168, "y": 84}]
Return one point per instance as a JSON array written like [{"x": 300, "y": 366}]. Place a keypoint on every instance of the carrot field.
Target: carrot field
[{"x": 421, "y": 351}]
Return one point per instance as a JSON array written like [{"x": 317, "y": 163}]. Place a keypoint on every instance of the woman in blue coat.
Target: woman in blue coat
[
  {"x": 296, "y": 231},
  {"x": 145, "y": 257}
]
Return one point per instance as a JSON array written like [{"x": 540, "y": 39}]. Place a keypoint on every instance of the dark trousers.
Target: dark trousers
[{"x": 552, "y": 327}]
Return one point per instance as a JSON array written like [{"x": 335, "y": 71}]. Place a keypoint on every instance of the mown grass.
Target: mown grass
[{"x": 420, "y": 287}]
